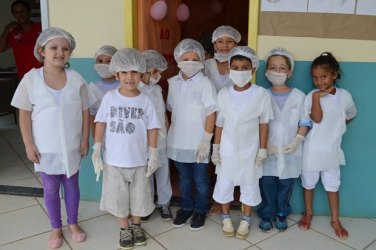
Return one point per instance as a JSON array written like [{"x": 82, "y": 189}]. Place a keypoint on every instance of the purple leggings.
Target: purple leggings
[{"x": 51, "y": 187}]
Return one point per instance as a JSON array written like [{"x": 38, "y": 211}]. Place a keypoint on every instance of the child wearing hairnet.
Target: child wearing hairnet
[
  {"x": 192, "y": 101},
  {"x": 155, "y": 65},
  {"x": 129, "y": 122},
  {"x": 286, "y": 134},
  {"x": 240, "y": 140},
  {"x": 107, "y": 81},
  {"x": 224, "y": 39},
  {"x": 53, "y": 104}
]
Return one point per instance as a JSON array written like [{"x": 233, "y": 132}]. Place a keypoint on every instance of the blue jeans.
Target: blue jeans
[
  {"x": 275, "y": 194},
  {"x": 189, "y": 174}
]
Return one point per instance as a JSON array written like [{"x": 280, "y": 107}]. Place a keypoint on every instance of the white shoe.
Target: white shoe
[
  {"x": 243, "y": 230},
  {"x": 228, "y": 228}
]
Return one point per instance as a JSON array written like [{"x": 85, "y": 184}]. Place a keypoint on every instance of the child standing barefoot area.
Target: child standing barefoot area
[
  {"x": 286, "y": 134},
  {"x": 330, "y": 109},
  {"x": 240, "y": 141},
  {"x": 192, "y": 100},
  {"x": 54, "y": 121},
  {"x": 131, "y": 124}
]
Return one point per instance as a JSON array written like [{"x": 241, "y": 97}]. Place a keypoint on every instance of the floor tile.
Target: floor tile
[
  {"x": 23, "y": 223},
  {"x": 11, "y": 159},
  {"x": 11, "y": 202},
  {"x": 37, "y": 242},
  {"x": 155, "y": 225},
  {"x": 27, "y": 182},
  {"x": 17, "y": 172},
  {"x": 371, "y": 246},
  {"x": 294, "y": 238},
  {"x": 210, "y": 237}
]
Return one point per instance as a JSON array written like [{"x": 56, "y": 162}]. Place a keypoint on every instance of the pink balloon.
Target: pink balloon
[
  {"x": 216, "y": 7},
  {"x": 158, "y": 10},
  {"x": 182, "y": 12}
]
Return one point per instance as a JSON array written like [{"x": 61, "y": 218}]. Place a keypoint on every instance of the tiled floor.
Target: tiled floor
[{"x": 24, "y": 223}]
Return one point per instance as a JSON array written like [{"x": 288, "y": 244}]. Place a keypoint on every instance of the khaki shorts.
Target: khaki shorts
[{"x": 126, "y": 191}]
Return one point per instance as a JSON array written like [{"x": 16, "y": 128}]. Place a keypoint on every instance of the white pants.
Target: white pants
[
  {"x": 330, "y": 179},
  {"x": 224, "y": 192},
  {"x": 162, "y": 177}
]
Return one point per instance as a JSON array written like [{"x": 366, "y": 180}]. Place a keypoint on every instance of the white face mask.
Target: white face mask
[
  {"x": 241, "y": 78},
  {"x": 153, "y": 80},
  {"x": 221, "y": 57},
  {"x": 190, "y": 68},
  {"x": 277, "y": 79},
  {"x": 103, "y": 70}
]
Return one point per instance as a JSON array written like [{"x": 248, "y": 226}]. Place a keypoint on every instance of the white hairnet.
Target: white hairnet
[
  {"x": 189, "y": 45},
  {"x": 127, "y": 59},
  {"x": 279, "y": 51},
  {"x": 246, "y": 52},
  {"x": 228, "y": 31},
  {"x": 105, "y": 50},
  {"x": 154, "y": 60},
  {"x": 49, "y": 34}
]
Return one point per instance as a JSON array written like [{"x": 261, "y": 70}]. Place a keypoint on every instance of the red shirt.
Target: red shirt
[{"x": 23, "y": 48}]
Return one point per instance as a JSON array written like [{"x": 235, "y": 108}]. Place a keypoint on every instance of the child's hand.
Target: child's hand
[
  {"x": 321, "y": 93},
  {"x": 261, "y": 156},
  {"x": 203, "y": 149},
  {"x": 84, "y": 148},
  {"x": 216, "y": 157},
  {"x": 153, "y": 162},
  {"x": 96, "y": 157},
  {"x": 32, "y": 153}
]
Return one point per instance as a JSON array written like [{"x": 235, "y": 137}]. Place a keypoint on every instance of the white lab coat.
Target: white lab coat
[
  {"x": 322, "y": 146},
  {"x": 219, "y": 81},
  {"x": 282, "y": 131},
  {"x": 56, "y": 128},
  {"x": 240, "y": 138},
  {"x": 189, "y": 102}
]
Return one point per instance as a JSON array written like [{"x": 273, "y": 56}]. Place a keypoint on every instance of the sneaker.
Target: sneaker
[
  {"x": 181, "y": 217},
  {"x": 281, "y": 223},
  {"x": 165, "y": 212},
  {"x": 265, "y": 225},
  {"x": 243, "y": 230},
  {"x": 228, "y": 228},
  {"x": 138, "y": 235},
  {"x": 126, "y": 238},
  {"x": 198, "y": 221}
]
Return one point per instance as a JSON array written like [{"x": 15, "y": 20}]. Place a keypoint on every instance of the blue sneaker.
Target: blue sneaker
[
  {"x": 265, "y": 225},
  {"x": 281, "y": 223}
]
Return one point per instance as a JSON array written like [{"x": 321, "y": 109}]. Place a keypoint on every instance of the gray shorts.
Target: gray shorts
[{"x": 126, "y": 191}]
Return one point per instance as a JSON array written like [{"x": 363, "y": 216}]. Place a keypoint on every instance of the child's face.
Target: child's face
[
  {"x": 129, "y": 79},
  {"x": 103, "y": 59},
  {"x": 56, "y": 52},
  {"x": 190, "y": 56},
  {"x": 241, "y": 65},
  {"x": 224, "y": 45},
  {"x": 279, "y": 64},
  {"x": 323, "y": 77}
]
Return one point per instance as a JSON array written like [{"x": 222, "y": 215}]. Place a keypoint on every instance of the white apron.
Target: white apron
[
  {"x": 282, "y": 131},
  {"x": 57, "y": 129},
  {"x": 240, "y": 138},
  {"x": 219, "y": 81},
  {"x": 322, "y": 146}
]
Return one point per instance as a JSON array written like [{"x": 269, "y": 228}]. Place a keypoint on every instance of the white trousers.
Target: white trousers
[{"x": 330, "y": 179}]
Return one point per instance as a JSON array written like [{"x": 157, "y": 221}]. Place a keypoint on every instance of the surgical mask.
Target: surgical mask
[
  {"x": 241, "y": 78},
  {"x": 221, "y": 57},
  {"x": 277, "y": 79},
  {"x": 103, "y": 70},
  {"x": 190, "y": 68},
  {"x": 153, "y": 80}
]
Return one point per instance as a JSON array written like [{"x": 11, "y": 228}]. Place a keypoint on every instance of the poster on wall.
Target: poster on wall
[
  {"x": 284, "y": 5},
  {"x": 366, "y": 7},
  {"x": 330, "y": 6}
]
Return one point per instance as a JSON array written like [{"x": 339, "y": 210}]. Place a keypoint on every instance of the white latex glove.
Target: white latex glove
[
  {"x": 261, "y": 156},
  {"x": 96, "y": 157},
  {"x": 153, "y": 162},
  {"x": 216, "y": 157},
  {"x": 272, "y": 150},
  {"x": 291, "y": 148},
  {"x": 203, "y": 149}
]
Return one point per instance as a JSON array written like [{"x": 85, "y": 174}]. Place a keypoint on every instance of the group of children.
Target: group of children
[{"x": 257, "y": 144}]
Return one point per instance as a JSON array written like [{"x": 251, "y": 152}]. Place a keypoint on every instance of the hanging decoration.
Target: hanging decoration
[
  {"x": 158, "y": 10},
  {"x": 216, "y": 7},
  {"x": 182, "y": 12}
]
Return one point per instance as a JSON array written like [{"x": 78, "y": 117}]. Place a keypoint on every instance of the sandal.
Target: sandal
[
  {"x": 340, "y": 231},
  {"x": 305, "y": 223}
]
